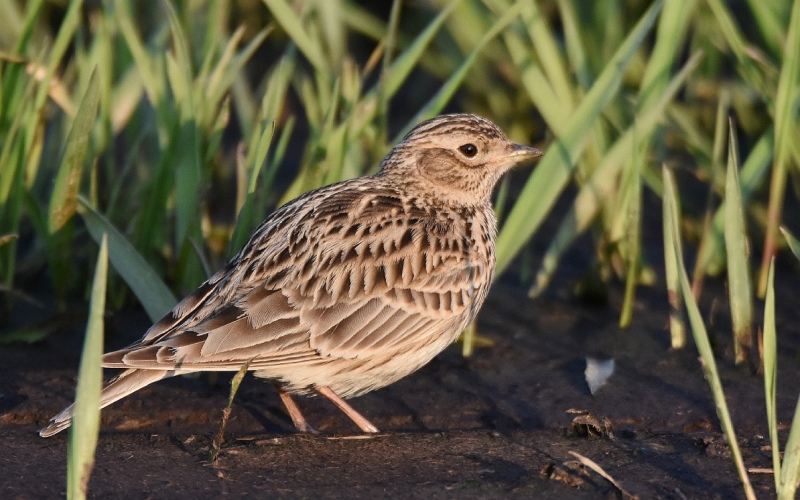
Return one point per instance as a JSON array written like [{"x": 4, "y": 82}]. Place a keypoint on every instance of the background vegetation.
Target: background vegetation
[{"x": 174, "y": 128}]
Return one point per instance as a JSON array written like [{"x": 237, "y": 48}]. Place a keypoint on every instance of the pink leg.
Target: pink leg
[
  {"x": 348, "y": 410},
  {"x": 294, "y": 412}
]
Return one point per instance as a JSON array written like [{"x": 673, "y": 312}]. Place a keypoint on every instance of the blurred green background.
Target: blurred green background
[{"x": 178, "y": 126}]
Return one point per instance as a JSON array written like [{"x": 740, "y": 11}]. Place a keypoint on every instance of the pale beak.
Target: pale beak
[{"x": 520, "y": 153}]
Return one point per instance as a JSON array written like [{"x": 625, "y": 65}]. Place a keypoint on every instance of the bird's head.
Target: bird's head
[{"x": 459, "y": 157}]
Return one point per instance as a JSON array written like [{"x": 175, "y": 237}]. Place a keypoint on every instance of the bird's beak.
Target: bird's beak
[{"x": 520, "y": 153}]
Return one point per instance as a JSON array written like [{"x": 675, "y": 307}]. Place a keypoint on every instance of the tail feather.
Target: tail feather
[{"x": 117, "y": 388}]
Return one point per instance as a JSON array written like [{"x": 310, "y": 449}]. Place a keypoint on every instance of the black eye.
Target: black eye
[{"x": 468, "y": 150}]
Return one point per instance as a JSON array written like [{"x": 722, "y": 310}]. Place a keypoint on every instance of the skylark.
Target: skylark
[{"x": 349, "y": 287}]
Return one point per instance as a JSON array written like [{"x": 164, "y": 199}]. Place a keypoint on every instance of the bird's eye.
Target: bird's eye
[{"x": 468, "y": 150}]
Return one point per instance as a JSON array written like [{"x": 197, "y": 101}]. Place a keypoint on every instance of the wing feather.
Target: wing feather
[{"x": 345, "y": 278}]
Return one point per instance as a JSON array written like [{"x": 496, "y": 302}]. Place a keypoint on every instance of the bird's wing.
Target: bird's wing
[
  {"x": 406, "y": 295},
  {"x": 346, "y": 280}
]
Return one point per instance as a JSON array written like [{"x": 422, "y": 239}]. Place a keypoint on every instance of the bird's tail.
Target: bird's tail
[{"x": 117, "y": 388}]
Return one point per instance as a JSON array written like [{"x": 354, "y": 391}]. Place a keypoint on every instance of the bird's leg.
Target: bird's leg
[
  {"x": 348, "y": 410},
  {"x": 294, "y": 412}
]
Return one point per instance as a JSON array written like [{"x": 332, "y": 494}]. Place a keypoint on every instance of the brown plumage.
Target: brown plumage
[{"x": 349, "y": 287}]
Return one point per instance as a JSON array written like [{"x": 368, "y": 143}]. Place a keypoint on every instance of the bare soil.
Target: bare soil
[{"x": 494, "y": 425}]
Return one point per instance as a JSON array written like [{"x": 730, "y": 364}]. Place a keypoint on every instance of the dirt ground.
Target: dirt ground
[{"x": 494, "y": 425}]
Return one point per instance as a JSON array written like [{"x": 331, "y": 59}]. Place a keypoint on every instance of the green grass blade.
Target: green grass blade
[
  {"x": 6, "y": 238},
  {"x": 702, "y": 342},
  {"x": 293, "y": 26},
  {"x": 148, "y": 287},
  {"x": 677, "y": 325},
  {"x": 602, "y": 185},
  {"x": 227, "y": 71},
  {"x": 66, "y": 33},
  {"x": 337, "y": 142},
  {"x": 147, "y": 67},
  {"x": 187, "y": 167},
  {"x": 535, "y": 84},
  {"x": 244, "y": 225},
  {"x": 272, "y": 101},
  {"x": 405, "y": 62},
  {"x": 389, "y": 41},
  {"x": 546, "y": 46},
  {"x": 770, "y": 352},
  {"x": 770, "y": 16},
  {"x": 553, "y": 171},
  {"x": 26, "y": 28},
  {"x": 672, "y": 26},
  {"x": 333, "y": 30},
  {"x": 794, "y": 244},
  {"x": 711, "y": 256},
  {"x": 12, "y": 158},
  {"x": 360, "y": 19},
  {"x": 739, "y": 46},
  {"x": 154, "y": 212},
  {"x": 187, "y": 181},
  {"x": 785, "y": 113},
  {"x": 12, "y": 189},
  {"x": 63, "y": 200},
  {"x": 436, "y": 104},
  {"x": 631, "y": 243},
  {"x": 575, "y": 50},
  {"x": 715, "y": 174},
  {"x": 16, "y": 91},
  {"x": 86, "y": 420},
  {"x": 736, "y": 247},
  {"x": 790, "y": 470},
  {"x": 181, "y": 61},
  {"x": 387, "y": 86},
  {"x": 62, "y": 204}
]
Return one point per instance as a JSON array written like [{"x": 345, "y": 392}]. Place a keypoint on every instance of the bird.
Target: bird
[{"x": 349, "y": 287}]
